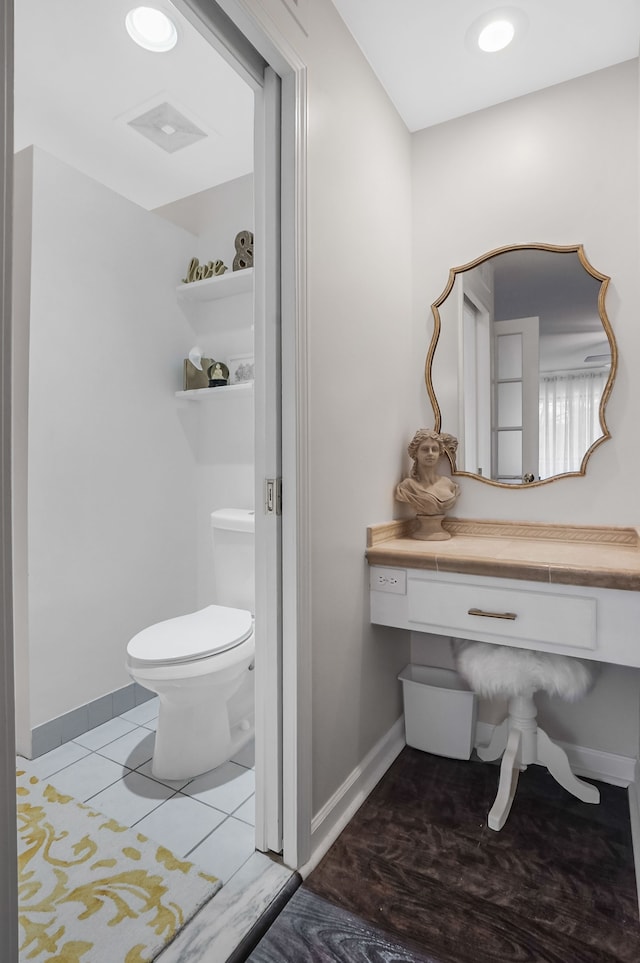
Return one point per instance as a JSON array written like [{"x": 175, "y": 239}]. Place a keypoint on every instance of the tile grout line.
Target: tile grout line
[
  {"x": 104, "y": 788},
  {"x": 210, "y": 833},
  {"x": 155, "y": 809}
]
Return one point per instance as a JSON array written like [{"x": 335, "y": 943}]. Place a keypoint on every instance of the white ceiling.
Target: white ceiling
[
  {"x": 418, "y": 50},
  {"x": 79, "y": 79}
]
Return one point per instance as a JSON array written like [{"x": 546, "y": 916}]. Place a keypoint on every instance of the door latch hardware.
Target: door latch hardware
[{"x": 273, "y": 496}]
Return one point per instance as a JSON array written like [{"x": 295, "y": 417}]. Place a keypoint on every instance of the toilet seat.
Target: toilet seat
[{"x": 189, "y": 638}]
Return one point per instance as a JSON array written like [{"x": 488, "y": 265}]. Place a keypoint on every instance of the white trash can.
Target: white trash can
[{"x": 439, "y": 711}]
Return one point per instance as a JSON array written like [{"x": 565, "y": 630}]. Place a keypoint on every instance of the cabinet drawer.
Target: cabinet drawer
[{"x": 448, "y": 607}]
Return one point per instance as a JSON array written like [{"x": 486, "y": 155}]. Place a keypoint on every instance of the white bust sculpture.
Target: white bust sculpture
[{"x": 430, "y": 494}]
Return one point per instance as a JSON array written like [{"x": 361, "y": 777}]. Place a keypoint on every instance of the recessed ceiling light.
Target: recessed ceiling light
[
  {"x": 496, "y": 36},
  {"x": 496, "y": 29},
  {"x": 151, "y": 29}
]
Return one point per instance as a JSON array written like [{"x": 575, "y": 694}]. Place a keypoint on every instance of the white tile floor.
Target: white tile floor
[{"x": 209, "y": 819}]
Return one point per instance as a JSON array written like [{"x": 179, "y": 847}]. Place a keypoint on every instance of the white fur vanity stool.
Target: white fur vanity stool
[{"x": 516, "y": 674}]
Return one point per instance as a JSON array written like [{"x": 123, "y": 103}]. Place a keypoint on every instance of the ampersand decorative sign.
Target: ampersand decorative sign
[{"x": 244, "y": 251}]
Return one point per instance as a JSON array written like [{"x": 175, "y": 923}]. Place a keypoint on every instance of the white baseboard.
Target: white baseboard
[
  {"x": 329, "y": 822},
  {"x": 592, "y": 763}
]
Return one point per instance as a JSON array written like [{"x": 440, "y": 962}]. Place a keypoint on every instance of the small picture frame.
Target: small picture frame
[{"x": 241, "y": 369}]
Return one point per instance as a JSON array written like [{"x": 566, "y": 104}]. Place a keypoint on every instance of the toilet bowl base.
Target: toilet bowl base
[
  {"x": 201, "y": 704},
  {"x": 190, "y": 743}
]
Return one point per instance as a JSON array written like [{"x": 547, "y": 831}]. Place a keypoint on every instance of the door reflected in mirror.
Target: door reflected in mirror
[{"x": 521, "y": 363}]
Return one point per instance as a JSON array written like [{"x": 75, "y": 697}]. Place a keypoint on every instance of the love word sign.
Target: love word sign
[{"x": 198, "y": 272}]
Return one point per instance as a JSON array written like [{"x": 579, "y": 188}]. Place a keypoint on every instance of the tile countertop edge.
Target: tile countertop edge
[{"x": 390, "y": 544}]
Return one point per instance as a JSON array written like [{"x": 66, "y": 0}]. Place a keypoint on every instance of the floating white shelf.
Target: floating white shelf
[
  {"x": 222, "y": 391},
  {"x": 223, "y": 286}
]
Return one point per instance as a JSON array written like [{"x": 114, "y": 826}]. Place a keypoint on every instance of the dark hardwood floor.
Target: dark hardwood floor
[{"x": 418, "y": 877}]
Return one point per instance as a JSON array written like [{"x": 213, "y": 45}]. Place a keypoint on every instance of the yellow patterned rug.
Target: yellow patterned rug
[{"x": 93, "y": 891}]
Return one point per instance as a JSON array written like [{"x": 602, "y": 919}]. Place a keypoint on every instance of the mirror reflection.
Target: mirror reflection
[{"x": 521, "y": 363}]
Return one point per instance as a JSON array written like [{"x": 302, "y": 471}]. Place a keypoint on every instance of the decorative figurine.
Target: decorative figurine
[
  {"x": 198, "y": 272},
  {"x": 244, "y": 251},
  {"x": 430, "y": 494},
  {"x": 218, "y": 374}
]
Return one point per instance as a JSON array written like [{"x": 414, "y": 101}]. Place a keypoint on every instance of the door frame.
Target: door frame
[
  {"x": 268, "y": 465},
  {"x": 241, "y": 29},
  {"x": 240, "y": 35},
  {"x": 8, "y": 842}
]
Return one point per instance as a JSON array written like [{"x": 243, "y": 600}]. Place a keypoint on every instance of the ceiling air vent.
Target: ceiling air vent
[{"x": 167, "y": 127}]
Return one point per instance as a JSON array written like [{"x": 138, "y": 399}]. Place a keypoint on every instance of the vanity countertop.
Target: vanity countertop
[{"x": 562, "y": 554}]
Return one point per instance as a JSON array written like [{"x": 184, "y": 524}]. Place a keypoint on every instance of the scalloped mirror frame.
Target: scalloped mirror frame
[{"x": 437, "y": 325}]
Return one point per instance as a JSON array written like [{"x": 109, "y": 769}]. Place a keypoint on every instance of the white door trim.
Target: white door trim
[
  {"x": 296, "y": 534},
  {"x": 268, "y": 464},
  {"x": 8, "y": 841},
  {"x": 215, "y": 25},
  {"x": 251, "y": 24},
  {"x": 261, "y": 31},
  {"x": 296, "y": 538}
]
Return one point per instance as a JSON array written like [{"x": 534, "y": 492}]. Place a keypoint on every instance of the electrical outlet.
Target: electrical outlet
[{"x": 389, "y": 580}]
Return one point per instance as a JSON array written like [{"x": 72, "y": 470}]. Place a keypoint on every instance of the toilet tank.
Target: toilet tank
[{"x": 232, "y": 531}]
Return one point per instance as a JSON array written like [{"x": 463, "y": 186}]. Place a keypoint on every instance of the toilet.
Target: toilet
[{"x": 201, "y": 664}]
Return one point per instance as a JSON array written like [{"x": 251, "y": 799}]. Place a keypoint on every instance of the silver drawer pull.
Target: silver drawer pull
[{"x": 493, "y": 615}]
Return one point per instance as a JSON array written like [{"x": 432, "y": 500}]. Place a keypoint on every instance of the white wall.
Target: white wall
[
  {"x": 221, "y": 433},
  {"x": 214, "y": 217},
  {"x": 111, "y": 482},
  {"x": 359, "y": 343},
  {"x": 559, "y": 166}
]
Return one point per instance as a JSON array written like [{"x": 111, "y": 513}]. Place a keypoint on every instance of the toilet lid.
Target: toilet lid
[{"x": 209, "y": 631}]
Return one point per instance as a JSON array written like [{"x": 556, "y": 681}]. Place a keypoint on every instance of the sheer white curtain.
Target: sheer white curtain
[{"x": 569, "y": 417}]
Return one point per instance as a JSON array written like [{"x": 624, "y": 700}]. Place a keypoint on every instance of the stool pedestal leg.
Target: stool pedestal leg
[
  {"x": 555, "y": 759},
  {"x": 521, "y": 751},
  {"x": 522, "y": 716},
  {"x": 509, "y": 773}
]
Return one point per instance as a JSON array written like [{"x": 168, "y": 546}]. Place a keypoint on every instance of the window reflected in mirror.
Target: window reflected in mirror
[{"x": 521, "y": 363}]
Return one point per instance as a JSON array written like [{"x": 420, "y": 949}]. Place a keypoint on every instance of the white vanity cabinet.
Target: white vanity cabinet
[
  {"x": 594, "y": 623},
  {"x": 565, "y": 605}
]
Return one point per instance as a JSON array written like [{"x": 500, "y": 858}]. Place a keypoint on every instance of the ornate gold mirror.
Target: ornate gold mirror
[{"x": 521, "y": 363}]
